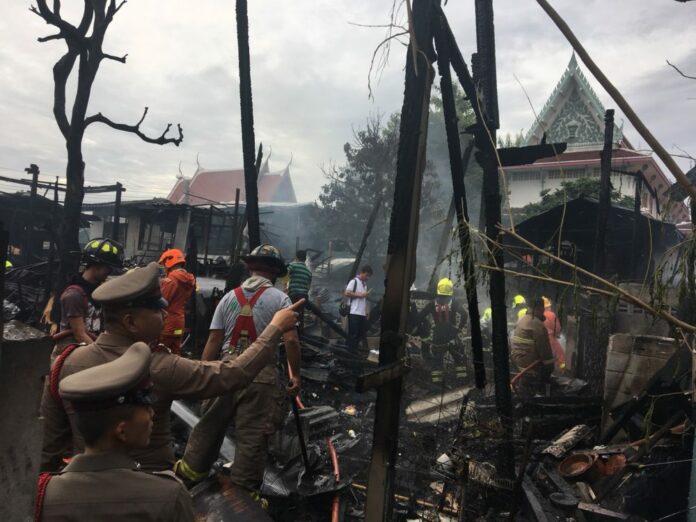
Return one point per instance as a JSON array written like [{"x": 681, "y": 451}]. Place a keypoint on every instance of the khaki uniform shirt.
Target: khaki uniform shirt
[
  {"x": 530, "y": 343},
  {"x": 108, "y": 487},
  {"x": 173, "y": 378}
]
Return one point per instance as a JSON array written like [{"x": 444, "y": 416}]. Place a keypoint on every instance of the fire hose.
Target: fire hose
[
  {"x": 336, "y": 503},
  {"x": 517, "y": 377}
]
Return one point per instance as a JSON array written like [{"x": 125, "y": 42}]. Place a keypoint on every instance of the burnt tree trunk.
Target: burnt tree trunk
[{"x": 85, "y": 48}]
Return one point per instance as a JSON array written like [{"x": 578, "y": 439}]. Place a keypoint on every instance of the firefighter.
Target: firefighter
[
  {"x": 177, "y": 287},
  {"x": 553, "y": 327},
  {"x": 447, "y": 319},
  {"x": 80, "y": 318},
  {"x": 133, "y": 311},
  {"x": 518, "y": 309},
  {"x": 113, "y": 412},
  {"x": 259, "y": 410},
  {"x": 531, "y": 351}
]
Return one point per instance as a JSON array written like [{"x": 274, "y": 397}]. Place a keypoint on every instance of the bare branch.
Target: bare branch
[
  {"x": 118, "y": 8},
  {"x": 53, "y": 18},
  {"x": 121, "y": 59},
  {"x": 679, "y": 71},
  {"x": 135, "y": 129},
  {"x": 56, "y": 36}
]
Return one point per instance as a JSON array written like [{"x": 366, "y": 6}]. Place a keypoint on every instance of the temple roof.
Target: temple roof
[
  {"x": 572, "y": 114},
  {"x": 219, "y": 186}
]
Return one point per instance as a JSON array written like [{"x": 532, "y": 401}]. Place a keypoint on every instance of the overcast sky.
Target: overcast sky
[{"x": 309, "y": 80}]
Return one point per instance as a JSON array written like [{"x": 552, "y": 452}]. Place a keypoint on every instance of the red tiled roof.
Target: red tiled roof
[{"x": 219, "y": 186}]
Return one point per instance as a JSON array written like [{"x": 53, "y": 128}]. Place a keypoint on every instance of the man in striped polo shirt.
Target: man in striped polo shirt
[{"x": 299, "y": 281}]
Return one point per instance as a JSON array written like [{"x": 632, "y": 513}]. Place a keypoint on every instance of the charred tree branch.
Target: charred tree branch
[
  {"x": 135, "y": 129},
  {"x": 121, "y": 59}
]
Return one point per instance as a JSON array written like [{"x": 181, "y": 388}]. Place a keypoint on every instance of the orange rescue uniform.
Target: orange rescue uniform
[{"x": 176, "y": 288}]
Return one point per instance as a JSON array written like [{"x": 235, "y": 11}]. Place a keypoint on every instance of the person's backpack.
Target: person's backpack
[{"x": 344, "y": 307}]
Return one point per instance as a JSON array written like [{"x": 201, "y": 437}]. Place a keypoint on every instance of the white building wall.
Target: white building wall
[{"x": 525, "y": 187}]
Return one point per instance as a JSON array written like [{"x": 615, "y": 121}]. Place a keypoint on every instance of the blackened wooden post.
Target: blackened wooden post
[
  {"x": 486, "y": 143},
  {"x": 638, "y": 180},
  {"x": 240, "y": 243},
  {"x": 401, "y": 260},
  {"x": 457, "y": 169},
  {"x": 117, "y": 212},
  {"x": 604, "y": 193},
  {"x": 247, "y": 113}
]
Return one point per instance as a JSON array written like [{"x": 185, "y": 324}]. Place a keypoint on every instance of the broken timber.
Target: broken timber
[
  {"x": 485, "y": 141},
  {"x": 401, "y": 251}
]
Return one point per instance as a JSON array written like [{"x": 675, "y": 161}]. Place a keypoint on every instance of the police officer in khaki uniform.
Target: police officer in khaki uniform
[
  {"x": 112, "y": 404},
  {"x": 133, "y": 311},
  {"x": 531, "y": 351}
]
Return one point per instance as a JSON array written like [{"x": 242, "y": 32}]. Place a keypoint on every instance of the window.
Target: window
[{"x": 530, "y": 175}]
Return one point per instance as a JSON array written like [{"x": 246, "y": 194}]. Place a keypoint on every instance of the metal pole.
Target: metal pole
[
  {"x": 117, "y": 212},
  {"x": 486, "y": 142},
  {"x": 458, "y": 169},
  {"x": 401, "y": 259},
  {"x": 247, "y": 113},
  {"x": 604, "y": 194}
]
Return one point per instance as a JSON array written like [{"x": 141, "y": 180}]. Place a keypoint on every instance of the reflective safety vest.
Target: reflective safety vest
[{"x": 244, "y": 330}]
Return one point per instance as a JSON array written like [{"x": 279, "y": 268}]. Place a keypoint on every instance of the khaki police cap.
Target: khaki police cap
[
  {"x": 122, "y": 381},
  {"x": 134, "y": 289}
]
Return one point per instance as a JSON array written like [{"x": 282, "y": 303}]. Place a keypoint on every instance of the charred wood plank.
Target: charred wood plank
[
  {"x": 510, "y": 157},
  {"x": 604, "y": 206},
  {"x": 401, "y": 252},
  {"x": 321, "y": 315},
  {"x": 383, "y": 375},
  {"x": 247, "y": 114},
  {"x": 487, "y": 158},
  {"x": 457, "y": 169}
]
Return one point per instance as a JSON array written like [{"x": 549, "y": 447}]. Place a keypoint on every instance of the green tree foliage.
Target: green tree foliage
[
  {"x": 570, "y": 190},
  {"x": 346, "y": 201},
  {"x": 369, "y": 171}
]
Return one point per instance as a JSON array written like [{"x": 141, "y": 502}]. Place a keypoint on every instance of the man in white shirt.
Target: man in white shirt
[{"x": 356, "y": 291}]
